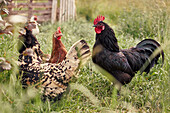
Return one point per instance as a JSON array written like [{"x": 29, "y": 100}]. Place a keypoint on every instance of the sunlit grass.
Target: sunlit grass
[{"x": 146, "y": 93}]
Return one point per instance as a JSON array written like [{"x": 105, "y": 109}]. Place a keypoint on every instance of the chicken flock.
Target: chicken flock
[
  {"x": 53, "y": 76},
  {"x": 52, "y": 73}
]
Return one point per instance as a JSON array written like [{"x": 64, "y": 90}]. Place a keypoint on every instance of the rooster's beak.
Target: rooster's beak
[{"x": 94, "y": 26}]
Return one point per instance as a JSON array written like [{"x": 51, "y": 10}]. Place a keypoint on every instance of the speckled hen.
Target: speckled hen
[{"x": 51, "y": 78}]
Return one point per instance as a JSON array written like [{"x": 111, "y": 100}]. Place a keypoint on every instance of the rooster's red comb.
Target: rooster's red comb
[
  {"x": 59, "y": 29},
  {"x": 98, "y": 19}
]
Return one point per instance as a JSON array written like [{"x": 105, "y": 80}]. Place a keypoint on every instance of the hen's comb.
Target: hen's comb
[
  {"x": 35, "y": 17},
  {"x": 59, "y": 29},
  {"x": 98, "y": 19}
]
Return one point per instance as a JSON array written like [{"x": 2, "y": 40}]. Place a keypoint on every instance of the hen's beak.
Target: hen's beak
[{"x": 59, "y": 34}]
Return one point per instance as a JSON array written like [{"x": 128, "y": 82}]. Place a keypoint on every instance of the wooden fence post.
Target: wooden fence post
[
  {"x": 10, "y": 9},
  {"x": 63, "y": 10},
  {"x": 60, "y": 12},
  {"x": 67, "y": 10},
  {"x": 54, "y": 11},
  {"x": 41, "y": 8},
  {"x": 30, "y": 9},
  {"x": 74, "y": 10}
]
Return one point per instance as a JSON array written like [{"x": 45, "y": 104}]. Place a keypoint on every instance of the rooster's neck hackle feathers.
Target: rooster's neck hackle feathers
[
  {"x": 107, "y": 36},
  {"x": 108, "y": 39}
]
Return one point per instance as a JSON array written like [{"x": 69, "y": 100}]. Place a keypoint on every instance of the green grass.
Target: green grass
[{"x": 146, "y": 92}]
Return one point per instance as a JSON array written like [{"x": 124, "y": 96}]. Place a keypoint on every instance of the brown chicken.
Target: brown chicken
[
  {"x": 122, "y": 64},
  {"x": 59, "y": 51}
]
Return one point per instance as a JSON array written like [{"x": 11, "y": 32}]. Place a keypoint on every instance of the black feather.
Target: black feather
[{"x": 123, "y": 64}]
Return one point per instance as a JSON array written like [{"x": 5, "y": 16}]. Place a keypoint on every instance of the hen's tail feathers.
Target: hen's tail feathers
[
  {"x": 78, "y": 54},
  {"x": 153, "y": 50}
]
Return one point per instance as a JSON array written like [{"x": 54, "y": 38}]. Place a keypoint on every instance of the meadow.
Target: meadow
[{"x": 91, "y": 91}]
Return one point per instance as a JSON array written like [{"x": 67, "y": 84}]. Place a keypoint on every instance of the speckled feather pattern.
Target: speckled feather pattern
[{"x": 52, "y": 78}]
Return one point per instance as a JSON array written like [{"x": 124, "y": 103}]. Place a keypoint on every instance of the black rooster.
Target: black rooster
[{"x": 122, "y": 64}]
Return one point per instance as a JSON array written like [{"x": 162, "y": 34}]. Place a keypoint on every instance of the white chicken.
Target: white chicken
[{"x": 33, "y": 20}]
